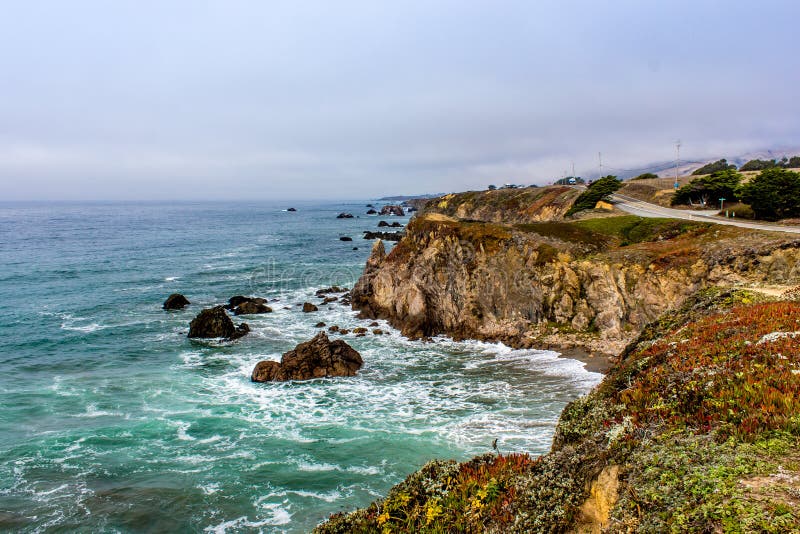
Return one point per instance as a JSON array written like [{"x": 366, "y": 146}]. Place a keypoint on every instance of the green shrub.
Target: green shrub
[
  {"x": 758, "y": 165},
  {"x": 645, "y": 176},
  {"x": 717, "y": 166},
  {"x": 739, "y": 211},
  {"x": 594, "y": 193},
  {"x": 774, "y": 194},
  {"x": 705, "y": 189}
]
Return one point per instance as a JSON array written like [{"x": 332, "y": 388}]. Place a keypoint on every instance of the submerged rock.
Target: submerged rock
[
  {"x": 317, "y": 358},
  {"x": 371, "y": 212},
  {"x": 251, "y": 307},
  {"x": 291, "y": 209},
  {"x": 176, "y": 301},
  {"x": 388, "y": 236},
  {"x": 308, "y": 307},
  {"x": 345, "y": 216},
  {"x": 215, "y": 323},
  {"x": 332, "y": 289},
  {"x": 233, "y": 302},
  {"x": 345, "y": 238}
]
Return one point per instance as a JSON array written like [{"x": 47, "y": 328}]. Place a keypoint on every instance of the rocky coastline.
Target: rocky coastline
[
  {"x": 703, "y": 366},
  {"x": 697, "y": 357},
  {"x": 567, "y": 284}
]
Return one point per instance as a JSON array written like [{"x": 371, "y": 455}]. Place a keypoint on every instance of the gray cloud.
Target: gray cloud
[{"x": 269, "y": 100}]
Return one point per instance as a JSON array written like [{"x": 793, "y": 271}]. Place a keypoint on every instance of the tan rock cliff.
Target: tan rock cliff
[{"x": 562, "y": 283}]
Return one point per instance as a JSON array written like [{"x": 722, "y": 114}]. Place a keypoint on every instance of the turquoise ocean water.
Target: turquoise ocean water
[{"x": 111, "y": 420}]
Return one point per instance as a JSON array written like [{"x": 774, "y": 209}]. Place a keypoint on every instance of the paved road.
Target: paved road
[{"x": 645, "y": 209}]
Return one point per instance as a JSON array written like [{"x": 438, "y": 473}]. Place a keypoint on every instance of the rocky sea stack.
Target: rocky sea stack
[
  {"x": 317, "y": 358},
  {"x": 215, "y": 323},
  {"x": 176, "y": 301},
  {"x": 392, "y": 210}
]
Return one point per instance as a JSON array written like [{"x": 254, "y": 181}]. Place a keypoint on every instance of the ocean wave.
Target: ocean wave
[
  {"x": 92, "y": 411},
  {"x": 278, "y": 516}
]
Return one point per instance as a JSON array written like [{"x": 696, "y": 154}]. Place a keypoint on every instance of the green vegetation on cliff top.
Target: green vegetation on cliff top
[{"x": 596, "y": 192}]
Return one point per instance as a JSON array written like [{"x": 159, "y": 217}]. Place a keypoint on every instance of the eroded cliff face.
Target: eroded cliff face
[{"x": 560, "y": 283}]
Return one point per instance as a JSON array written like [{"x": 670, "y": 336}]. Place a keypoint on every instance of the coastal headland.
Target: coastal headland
[{"x": 695, "y": 426}]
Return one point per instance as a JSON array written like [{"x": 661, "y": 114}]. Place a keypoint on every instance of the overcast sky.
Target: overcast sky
[{"x": 291, "y": 99}]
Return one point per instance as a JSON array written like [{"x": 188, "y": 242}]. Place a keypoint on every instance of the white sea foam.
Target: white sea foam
[
  {"x": 331, "y": 496},
  {"x": 86, "y": 329},
  {"x": 182, "y": 428},
  {"x": 209, "y": 489},
  {"x": 76, "y": 445},
  {"x": 371, "y": 470},
  {"x": 278, "y": 516},
  {"x": 306, "y": 465},
  {"x": 93, "y": 411}
]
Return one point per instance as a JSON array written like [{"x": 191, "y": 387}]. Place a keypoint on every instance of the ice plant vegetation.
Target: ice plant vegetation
[{"x": 699, "y": 424}]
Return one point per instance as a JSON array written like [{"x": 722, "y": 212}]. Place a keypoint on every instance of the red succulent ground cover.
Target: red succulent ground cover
[{"x": 737, "y": 373}]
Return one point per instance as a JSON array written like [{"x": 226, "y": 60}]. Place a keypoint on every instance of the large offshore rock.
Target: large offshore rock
[
  {"x": 215, "y": 323},
  {"x": 317, "y": 358},
  {"x": 176, "y": 301},
  {"x": 392, "y": 210}
]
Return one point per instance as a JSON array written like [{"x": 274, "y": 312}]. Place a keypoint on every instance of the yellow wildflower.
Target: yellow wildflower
[{"x": 383, "y": 518}]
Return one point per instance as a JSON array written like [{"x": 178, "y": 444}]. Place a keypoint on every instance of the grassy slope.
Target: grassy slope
[
  {"x": 701, "y": 414},
  {"x": 640, "y": 239}
]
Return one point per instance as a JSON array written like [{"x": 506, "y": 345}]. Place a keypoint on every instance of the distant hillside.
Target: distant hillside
[{"x": 401, "y": 198}]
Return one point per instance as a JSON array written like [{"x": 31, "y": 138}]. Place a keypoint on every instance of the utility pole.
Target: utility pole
[
  {"x": 600, "y": 159},
  {"x": 677, "y": 160}
]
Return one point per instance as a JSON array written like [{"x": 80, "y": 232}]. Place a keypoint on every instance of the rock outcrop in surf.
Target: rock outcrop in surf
[
  {"x": 215, "y": 323},
  {"x": 317, "y": 358},
  {"x": 392, "y": 210},
  {"x": 242, "y": 305},
  {"x": 176, "y": 301}
]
